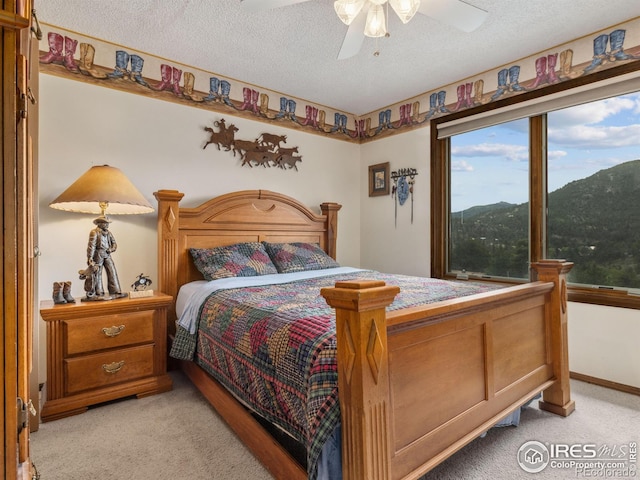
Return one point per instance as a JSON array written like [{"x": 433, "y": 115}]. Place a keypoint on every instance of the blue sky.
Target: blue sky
[{"x": 490, "y": 165}]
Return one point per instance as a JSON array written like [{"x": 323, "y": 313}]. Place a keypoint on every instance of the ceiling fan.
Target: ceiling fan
[{"x": 366, "y": 17}]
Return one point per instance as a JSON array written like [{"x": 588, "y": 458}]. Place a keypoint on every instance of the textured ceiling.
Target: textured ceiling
[{"x": 293, "y": 49}]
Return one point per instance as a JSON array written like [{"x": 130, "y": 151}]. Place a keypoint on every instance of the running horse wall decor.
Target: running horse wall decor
[{"x": 266, "y": 150}]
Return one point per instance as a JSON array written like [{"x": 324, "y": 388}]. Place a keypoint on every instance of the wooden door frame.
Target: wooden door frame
[{"x": 16, "y": 233}]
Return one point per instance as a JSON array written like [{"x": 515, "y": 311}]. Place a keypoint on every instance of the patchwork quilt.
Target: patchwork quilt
[{"x": 274, "y": 347}]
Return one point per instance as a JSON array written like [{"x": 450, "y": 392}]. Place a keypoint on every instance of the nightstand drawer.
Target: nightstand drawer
[
  {"x": 93, "y": 371},
  {"x": 108, "y": 331}
]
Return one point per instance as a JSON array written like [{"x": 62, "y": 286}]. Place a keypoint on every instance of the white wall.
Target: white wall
[
  {"x": 390, "y": 242},
  {"x": 159, "y": 145},
  {"x": 604, "y": 342}
]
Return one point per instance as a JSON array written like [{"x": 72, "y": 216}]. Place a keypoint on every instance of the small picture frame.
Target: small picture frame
[{"x": 379, "y": 179}]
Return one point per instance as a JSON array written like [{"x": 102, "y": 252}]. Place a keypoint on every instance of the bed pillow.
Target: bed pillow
[
  {"x": 248, "y": 259},
  {"x": 298, "y": 257}
]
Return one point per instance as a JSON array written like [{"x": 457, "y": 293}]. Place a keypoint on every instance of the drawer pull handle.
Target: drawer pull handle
[
  {"x": 113, "y": 331},
  {"x": 113, "y": 367}
]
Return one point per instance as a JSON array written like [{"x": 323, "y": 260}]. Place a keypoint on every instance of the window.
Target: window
[
  {"x": 489, "y": 195},
  {"x": 564, "y": 182},
  {"x": 594, "y": 191}
]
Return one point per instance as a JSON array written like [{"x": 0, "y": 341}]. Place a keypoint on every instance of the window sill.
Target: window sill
[{"x": 609, "y": 298}]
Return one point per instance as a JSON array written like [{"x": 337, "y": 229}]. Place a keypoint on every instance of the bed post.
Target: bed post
[
  {"x": 330, "y": 210},
  {"x": 168, "y": 216},
  {"x": 363, "y": 376},
  {"x": 557, "y": 398}
]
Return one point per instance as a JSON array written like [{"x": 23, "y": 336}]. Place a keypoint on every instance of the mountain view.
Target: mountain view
[{"x": 593, "y": 222}]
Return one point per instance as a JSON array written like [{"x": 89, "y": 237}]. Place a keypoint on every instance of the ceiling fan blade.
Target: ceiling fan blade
[
  {"x": 455, "y": 13},
  {"x": 260, "y": 5},
  {"x": 355, "y": 36}
]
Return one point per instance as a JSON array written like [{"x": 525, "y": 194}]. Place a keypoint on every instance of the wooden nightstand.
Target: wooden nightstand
[{"x": 100, "y": 351}]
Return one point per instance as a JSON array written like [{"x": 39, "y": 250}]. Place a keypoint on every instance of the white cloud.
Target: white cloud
[
  {"x": 593, "y": 137},
  {"x": 594, "y": 112},
  {"x": 556, "y": 154},
  {"x": 516, "y": 153},
  {"x": 591, "y": 126},
  {"x": 461, "y": 166}
]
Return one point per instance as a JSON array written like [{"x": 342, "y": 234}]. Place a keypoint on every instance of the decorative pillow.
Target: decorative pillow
[
  {"x": 247, "y": 259},
  {"x": 298, "y": 257}
]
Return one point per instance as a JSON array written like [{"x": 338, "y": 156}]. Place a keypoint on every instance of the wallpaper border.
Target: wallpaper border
[{"x": 84, "y": 58}]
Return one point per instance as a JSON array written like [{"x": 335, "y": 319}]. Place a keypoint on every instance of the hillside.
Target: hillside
[{"x": 594, "y": 222}]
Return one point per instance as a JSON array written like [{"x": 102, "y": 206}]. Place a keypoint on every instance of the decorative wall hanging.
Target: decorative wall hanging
[
  {"x": 266, "y": 150},
  {"x": 403, "y": 188},
  {"x": 379, "y": 179}
]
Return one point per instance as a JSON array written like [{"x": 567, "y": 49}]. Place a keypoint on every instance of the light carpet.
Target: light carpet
[{"x": 177, "y": 435}]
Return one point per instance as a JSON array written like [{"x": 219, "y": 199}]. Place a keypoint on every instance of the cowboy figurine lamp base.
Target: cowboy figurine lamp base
[{"x": 99, "y": 262}]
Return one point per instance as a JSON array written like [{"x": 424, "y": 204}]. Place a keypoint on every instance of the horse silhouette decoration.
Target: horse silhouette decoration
[
  {"x": 224, "y": 137},
  {"x": 266, "y": 150}
]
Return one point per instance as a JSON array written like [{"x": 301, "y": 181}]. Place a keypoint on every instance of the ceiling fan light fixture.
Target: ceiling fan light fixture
[
  {"x": 376, "y": 25},
  {"x": 405, "y": 9},
  {"x": 348, "y": 10}
]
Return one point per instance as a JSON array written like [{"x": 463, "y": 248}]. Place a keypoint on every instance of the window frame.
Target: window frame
[{"x": 440, "y": 186}]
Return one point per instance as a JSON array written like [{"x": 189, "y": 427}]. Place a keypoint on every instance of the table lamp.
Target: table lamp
[{"x": 100, "y": 190}]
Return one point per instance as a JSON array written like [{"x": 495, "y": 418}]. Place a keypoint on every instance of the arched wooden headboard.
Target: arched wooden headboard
[{"x": 244, "y": 216}]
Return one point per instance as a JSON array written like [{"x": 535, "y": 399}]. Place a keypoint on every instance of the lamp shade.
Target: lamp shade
[{"x": 100, "y": 187}]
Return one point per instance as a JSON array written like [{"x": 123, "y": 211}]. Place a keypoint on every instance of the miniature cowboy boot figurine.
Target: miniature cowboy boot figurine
[
  {"x": 58, "y": 297},
  {"x": 66, "y": 292}
]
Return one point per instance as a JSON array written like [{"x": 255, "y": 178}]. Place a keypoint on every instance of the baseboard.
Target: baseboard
[{"x": 605, "y": 383}]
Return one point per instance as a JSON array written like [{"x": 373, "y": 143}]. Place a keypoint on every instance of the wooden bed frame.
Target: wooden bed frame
[{"x": 416, "y": 385}]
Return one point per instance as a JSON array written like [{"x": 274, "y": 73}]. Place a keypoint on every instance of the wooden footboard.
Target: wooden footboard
[{"x": 418, "y": 384}]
